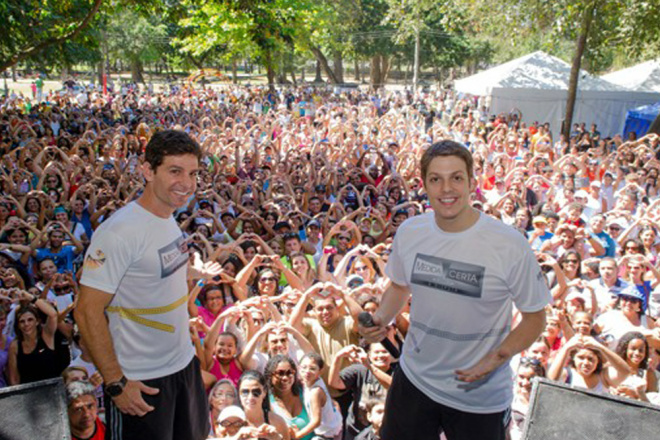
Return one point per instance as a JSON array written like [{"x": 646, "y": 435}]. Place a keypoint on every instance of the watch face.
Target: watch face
[{"x": 114, "y": 390}]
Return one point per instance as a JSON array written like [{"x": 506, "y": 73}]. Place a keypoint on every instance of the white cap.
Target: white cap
[{"x": 231, "y": 411}]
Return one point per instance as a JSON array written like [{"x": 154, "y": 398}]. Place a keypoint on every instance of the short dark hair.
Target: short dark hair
[
  {"x": 170, "y": 143},
  {"x": 443, "y": 149},
  {"x": 291, "y": 236},
  {"x": 316, "y": 358}
]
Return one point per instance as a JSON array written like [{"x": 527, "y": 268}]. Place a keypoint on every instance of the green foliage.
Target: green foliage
[{"x": 133, "y": 37}]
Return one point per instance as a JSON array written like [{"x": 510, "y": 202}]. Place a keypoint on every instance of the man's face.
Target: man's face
[
  {"x": 56, "y": 238},
  {"x": 278, "y": 343},
  {"x": 82, "y": 413},
  {"x": 174, "y": 181},
  {"x": 448, "y": 187},
  {"x": 326, "y": 311},
  {"x": 315, "y": 206},
  {"x": 379, "y": 357},
  {"x": 597, "y": 224}
]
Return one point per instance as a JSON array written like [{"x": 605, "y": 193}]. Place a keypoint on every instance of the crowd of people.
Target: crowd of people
[{"x": 299, "y": 197}]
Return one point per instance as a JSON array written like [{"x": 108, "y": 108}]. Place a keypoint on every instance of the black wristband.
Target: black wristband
[{"x": 35, "y": 298}]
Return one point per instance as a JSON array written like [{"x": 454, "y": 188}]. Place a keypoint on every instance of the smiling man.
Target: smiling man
[
  {"x": 464, "y": 270},
  {"x": 135, "y": 271}
]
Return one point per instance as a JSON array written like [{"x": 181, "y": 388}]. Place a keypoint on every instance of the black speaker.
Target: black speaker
[
  {"x": 559, "y": 411},
  {"x": 34, "y": 411}
]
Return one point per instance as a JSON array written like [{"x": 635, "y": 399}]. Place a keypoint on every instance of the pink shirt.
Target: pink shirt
[{"x": 234, "y": 371}]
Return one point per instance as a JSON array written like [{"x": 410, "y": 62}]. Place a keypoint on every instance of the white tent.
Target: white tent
[
  {"x": 644, "y": 77},
  {"x": 537, "y": 86}
]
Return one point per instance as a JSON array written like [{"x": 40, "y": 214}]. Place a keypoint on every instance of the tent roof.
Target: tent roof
[
  {"x": 537, "y": 70},
  {"x": 646, "y": 111},
  {"x": 644, "y": 77}
]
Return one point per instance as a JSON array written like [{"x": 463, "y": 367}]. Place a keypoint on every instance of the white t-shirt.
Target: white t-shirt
[
  {"x": 141, "y": 259},
  {"x": 614, "y": 325},
  {"x": 463, "y": 286}
]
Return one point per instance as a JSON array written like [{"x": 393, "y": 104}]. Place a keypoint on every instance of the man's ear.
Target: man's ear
[{"x": 147, "y": 171}]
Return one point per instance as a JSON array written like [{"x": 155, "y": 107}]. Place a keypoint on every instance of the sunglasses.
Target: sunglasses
[
  {"x": 529, "y": 360},
  {"x": 267, "y": 279},
  {"x": 236, "y": 424},
  {"x": 286, "y": 373},
  {"x": 256, "y": 392},
  {"x": 571, "y": 261},
  {"x": 343, "y": 238}
]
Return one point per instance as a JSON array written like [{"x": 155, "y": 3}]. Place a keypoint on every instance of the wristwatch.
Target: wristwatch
[{"x": 114, "y": 389}]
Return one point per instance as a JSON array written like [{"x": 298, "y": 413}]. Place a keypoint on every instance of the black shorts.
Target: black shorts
[
  {"x": 411, "y": 415},
  {"x": 180, "y": 410}
]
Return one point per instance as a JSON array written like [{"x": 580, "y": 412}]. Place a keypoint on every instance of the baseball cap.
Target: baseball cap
[
  {"x": 581, "y": 194},
  {"x": 631, "y": 291},
  {"x": 596, "y": 183},
  {"x": 314, "y": 223},
  {"x": 575, "y": 296},
  {"x": 539, "y": 219},
  {"x": 231, "y": 411}
]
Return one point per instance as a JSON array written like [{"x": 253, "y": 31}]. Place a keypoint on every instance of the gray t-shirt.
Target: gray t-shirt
[
  {"x": 463, "y": 287},
  {"x": 142, "y": 260}
]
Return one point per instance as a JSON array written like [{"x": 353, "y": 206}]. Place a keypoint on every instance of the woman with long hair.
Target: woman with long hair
[
  {"x": 32, "y": 355},
  {"x": 304, "y": 270},
  {"x": 634, "y": 349},
  {"x": 253, "y": 395},
  {"x": 286, "y": 398}
]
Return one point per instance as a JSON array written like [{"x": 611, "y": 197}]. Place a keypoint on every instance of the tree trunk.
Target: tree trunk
[
  {"x": 136, "y": 72},
  {"x": 281, "y": 75},
  {"x": 292, "y": 68},
  {"x": 234, "y": 71},
  {"x": 357, "y": 69},
  {"x": 270, "y": 72},
  {"x": 318, "y": 77},
  {"x": 324, "y": 64},
  {"x": 302, "y": 75},
  {"x": 587, "y": 19},
  {"x": 100, "y": 71},
  {"x": 338, "y": 64},
  {"x": 384, "y": 68},
  {"x": 416, "y": 61},
  {"x": 375, "y": 75}
]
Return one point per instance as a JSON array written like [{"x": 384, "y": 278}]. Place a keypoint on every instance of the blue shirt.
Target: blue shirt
[
  {"x": 608, "y": 243},
  {"x": 63, "y": 259}
]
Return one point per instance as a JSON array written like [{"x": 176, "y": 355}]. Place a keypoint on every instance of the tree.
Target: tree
[
  {"x": 136, "y": 39},
  {"x": 28, "y": 30}
]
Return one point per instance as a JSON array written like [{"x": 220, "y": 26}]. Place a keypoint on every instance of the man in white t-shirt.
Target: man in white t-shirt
[
  {"x": 464, "y": 271},
  {"x": 135, "y": 271}
]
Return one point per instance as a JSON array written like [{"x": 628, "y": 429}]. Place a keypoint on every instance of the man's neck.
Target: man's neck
[{"x": 84, "y": 434}]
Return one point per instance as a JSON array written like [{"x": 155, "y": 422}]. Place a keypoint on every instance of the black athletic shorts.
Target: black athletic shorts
[
  {"x": 181, "y": 410},
  {"x": 411, "y": 415}
]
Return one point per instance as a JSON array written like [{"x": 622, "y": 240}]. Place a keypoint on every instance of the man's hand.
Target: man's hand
[
  {"x": 484, "y": 367},
  {"x": 206, "y": 270},
  {"x": 130, "y": 401},
  {"x": 376, "y": 333}
]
